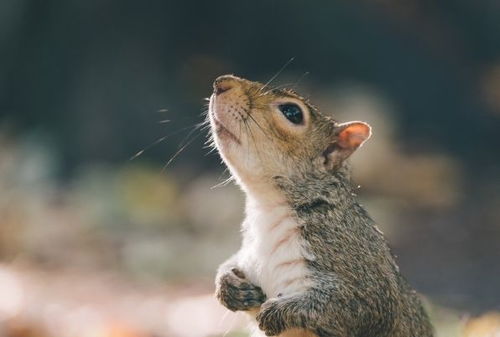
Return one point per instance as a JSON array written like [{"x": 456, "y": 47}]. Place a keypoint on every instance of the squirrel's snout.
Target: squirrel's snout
[{"x": 225, "y": 83}]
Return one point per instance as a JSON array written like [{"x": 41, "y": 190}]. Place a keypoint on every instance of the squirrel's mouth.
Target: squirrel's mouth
[{"x": 221, "y": 130}]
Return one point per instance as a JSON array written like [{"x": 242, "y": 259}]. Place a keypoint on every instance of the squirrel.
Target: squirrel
[{"x": 312, "y": 261}]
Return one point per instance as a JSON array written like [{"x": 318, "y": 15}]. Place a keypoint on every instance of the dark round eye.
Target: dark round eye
[{"x": 292, "y": 112}]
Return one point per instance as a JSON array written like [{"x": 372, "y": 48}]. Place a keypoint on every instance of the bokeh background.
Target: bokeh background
[{"x": 95, "y": 241}]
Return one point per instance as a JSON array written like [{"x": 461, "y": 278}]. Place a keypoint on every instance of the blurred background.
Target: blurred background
[{"x": 95, "y": 241}]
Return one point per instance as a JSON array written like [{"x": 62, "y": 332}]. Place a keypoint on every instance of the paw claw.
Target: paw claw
[
  {"x": 238, "y": 273},
  {"x": 236, "y": 293}
]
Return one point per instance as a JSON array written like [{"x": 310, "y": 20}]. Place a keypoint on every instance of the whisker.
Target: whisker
[
  {"x": 300, "y": 79},
  {"x": 291, "y": 85},
  {"x": 206, "y": 126},
  {"x": 212, "y": 149},
  {"x": 278, "y": 73},
  {"x": 195, "y": 128},
  {"x": 139, "y": 153},
  {"x": 260, "y": 127},
  {"x": 176, "y": 154},
  {"x": 159, "y": 140},
  {"x": 223, "y": 183},
  {"x": 284, "y": 85}
]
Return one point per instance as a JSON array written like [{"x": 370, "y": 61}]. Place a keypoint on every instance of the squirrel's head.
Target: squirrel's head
[{"x": 262, "y": 133}]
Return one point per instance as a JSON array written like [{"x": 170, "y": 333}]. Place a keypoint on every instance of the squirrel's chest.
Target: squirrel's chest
[{"x": 273, "y": 254}]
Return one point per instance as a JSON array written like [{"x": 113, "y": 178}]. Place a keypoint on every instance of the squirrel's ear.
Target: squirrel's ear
[{"x": 348, "y": 137}]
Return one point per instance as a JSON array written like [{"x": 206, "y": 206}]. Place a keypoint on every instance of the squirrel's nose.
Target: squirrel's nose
[{"x": 225, "y": 83}]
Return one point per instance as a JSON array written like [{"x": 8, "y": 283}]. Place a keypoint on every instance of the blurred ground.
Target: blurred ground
[
  {"x": 95, "y": 244},
  {"x": 132, "y": 250}
]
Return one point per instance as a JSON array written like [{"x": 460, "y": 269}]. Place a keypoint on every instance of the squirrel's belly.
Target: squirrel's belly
[
  {"x": 275, "y": 260},
  {"x": 284, "y": 272}
]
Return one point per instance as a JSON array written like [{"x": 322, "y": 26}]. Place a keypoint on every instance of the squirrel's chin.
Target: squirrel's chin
[{"x": 224, "y": 134}]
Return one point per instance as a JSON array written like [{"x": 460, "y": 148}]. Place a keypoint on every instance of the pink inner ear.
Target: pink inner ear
[{"x": 353, "y": 135}]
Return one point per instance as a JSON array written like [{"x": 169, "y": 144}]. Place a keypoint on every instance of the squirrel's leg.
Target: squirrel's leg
[
  {"x": 233, "y": 289},
  {"x": 311, "y": 311}
]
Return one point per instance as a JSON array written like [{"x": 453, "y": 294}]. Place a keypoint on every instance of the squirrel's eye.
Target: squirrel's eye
[{"x": 292, "y": 112}]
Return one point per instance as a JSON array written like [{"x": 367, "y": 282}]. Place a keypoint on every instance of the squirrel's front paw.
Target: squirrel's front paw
[
  {"x": 270, "y": 318},
  {"x": 235, "y": 292}
]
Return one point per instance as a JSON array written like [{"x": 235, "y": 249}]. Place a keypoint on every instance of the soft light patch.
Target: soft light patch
[{"x": 11, "y": 294}]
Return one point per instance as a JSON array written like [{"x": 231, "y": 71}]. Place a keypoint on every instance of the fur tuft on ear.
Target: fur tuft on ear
[{"x": 348, "y": 137}]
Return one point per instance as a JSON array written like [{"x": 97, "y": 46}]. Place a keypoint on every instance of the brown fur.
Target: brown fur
[{"x": 356, "y": 288}]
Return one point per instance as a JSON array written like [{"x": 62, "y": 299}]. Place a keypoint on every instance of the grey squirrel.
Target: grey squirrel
[{"x": 312, "y": 261}]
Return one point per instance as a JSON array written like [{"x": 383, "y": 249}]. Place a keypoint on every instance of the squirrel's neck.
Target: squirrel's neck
[
  {"x": 313, "y": 189},
  {"x": 300, "y": 191},
  {"x": 264, "y": 195}
]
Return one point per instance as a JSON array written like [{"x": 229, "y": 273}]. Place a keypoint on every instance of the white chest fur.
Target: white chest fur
[{"x": 272, "y": 255}]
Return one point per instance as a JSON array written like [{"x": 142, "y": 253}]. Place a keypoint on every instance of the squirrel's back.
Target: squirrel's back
[{"x": 350, "y": 251}]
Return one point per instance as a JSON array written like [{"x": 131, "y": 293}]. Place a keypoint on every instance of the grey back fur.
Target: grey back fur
[{"x": 358, "y": 290}]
